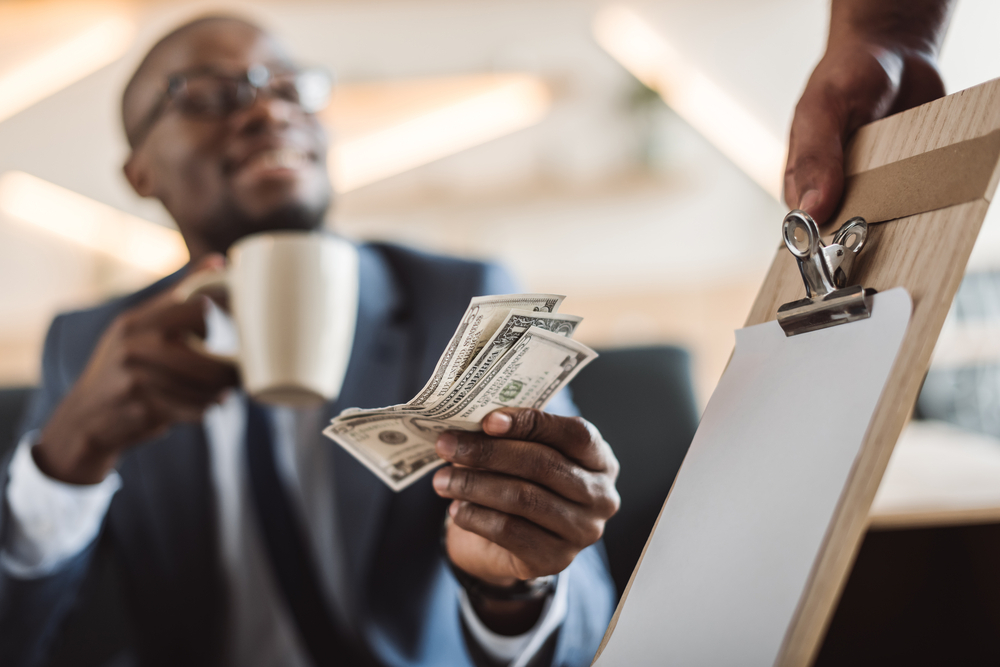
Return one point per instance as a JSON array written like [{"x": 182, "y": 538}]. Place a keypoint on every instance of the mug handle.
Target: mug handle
[
  {"x": 200, "y": 282},
  {"x": 195, "y": 285}
]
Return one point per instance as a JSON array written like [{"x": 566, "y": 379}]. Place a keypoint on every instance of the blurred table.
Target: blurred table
[{"x": 939, "y": 475}]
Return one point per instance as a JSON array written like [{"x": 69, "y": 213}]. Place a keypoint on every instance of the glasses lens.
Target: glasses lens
[
  {"x": 285, "y": 87},
  {"x": 213, "y": 96},
  {"x": 313, "y": 87}
]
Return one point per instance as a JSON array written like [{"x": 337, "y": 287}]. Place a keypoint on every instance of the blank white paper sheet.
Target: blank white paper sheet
[{"x": 747, "y": 514}]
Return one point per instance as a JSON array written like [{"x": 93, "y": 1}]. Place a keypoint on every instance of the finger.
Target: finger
[
  {"x": 170, "y": 410},
  {"x": 166, "y": 314},
  {"x": 178, "y": 359},
  {"x": 532, "y": 461},
  {"x": 133, "y": 419},
  {"x": 141, "y": 414},
  {"x": 150, "y": 379},
  {"x": 814, "y": 175},
  {"x": 190, "y": 366},
  {"x": 573, "y": 436},
  {"x": 144, "y": 414},
  {"x": 568, "y": 520},
  {"x": 180, "y": 318},
  {"x": 543, "y": 552}
]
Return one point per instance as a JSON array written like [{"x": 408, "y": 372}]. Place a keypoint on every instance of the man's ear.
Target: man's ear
[{"x": 138, "y": 173}]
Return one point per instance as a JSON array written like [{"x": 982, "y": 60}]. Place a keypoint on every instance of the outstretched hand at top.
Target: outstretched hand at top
[{"x": 881, "y": 58}]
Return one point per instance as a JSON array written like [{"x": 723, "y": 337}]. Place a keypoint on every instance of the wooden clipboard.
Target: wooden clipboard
[{"x": 926, "y": 176}]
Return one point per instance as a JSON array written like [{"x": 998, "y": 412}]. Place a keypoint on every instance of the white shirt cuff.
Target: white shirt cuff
[
  {"x": 50, "y": 521},
  {"x": 518, "y": 650}
]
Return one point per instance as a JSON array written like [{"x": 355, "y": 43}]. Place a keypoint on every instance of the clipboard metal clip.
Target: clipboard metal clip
[{"x": 825, "y": 270}]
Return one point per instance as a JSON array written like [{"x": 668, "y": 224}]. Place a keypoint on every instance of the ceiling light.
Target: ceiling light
[
  {"x": 89, "y": 47},
  {"x": 639, "y": 48},
  {"x": 91, "y": 224},
  {"x": 386, "y": 129}
]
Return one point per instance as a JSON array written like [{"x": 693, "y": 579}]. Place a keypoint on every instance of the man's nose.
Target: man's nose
[{"x": 266, "y": 111}]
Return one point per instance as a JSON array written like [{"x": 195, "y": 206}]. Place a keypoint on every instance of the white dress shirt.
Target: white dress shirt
[{"x": 52, "y": 521}]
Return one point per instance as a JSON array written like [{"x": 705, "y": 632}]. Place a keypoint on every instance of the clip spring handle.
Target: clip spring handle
[
  {"x": 824, "y": 268},
  {"x": 825, "y": 271},
  {"x": 851, "y": 238}
]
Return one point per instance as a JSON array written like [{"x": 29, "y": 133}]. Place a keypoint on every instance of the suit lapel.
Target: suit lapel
[{"x": 380, "y": 373}]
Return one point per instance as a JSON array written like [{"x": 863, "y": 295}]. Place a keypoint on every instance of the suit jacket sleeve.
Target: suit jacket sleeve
[
  {"x": 31, "y": 610},
  {"x": 592, "y": 597}
]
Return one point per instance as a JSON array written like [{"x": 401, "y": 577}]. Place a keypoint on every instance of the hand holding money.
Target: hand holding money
[
  {"x": 530, "y": 490},
  {"x": 509, "y": 350},
  {"x": 529, "y": 493}
]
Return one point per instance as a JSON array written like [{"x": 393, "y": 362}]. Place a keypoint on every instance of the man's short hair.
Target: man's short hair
[{"x": 130, "y": 115}]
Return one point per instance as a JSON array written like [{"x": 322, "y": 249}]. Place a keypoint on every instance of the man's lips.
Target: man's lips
[{"x": 275, "y": 161}]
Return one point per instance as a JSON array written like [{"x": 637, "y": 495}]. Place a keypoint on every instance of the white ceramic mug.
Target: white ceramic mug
[{"x": 294, "y": 298}]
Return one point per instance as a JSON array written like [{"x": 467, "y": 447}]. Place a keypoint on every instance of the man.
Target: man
[{"x": 143, "y": 457}]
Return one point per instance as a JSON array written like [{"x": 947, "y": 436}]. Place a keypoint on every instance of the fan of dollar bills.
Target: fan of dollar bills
[{"x": 512, "y": 350}]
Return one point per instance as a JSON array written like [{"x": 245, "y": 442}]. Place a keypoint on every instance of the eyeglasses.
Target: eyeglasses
[{"x": 209, "y": 94}]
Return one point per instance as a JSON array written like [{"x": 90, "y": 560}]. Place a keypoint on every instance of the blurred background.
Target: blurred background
[{"x": 626, "y": 154}]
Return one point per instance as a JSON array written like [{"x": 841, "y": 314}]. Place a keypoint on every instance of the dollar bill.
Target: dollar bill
[
  {"x": 510, "y": 331},
  {"x": 489, "y": 322},
  {"x": 481, "y": 319},
  {"x": 398, "y": 446},
  {"x": 486, "y": 321},
  {"x": 528, "y": 375}
]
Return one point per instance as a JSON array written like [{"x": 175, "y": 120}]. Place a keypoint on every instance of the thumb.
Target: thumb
[{"x": 814, "y": 175}]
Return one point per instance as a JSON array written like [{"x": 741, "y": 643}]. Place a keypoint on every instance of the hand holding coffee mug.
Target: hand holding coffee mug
[{"x": 294, "y": 298}]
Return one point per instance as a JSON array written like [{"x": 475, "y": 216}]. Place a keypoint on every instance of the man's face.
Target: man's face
[{"x": 257, "y": 169}]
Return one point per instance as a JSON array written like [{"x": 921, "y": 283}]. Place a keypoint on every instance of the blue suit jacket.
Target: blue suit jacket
[{"x": 160, "y": 533}]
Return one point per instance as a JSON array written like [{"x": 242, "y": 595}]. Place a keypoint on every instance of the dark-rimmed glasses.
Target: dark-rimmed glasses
[{"x": 208, "y": 93}]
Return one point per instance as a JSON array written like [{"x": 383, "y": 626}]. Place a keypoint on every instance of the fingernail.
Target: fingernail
[
  {"x": 453, "y": 509},
  {"x": 442, "y": 478},
  {"x": 446, "y": 445},
  {"x": 809, "y": 201},
  {"x": 498, "y": 423}
]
